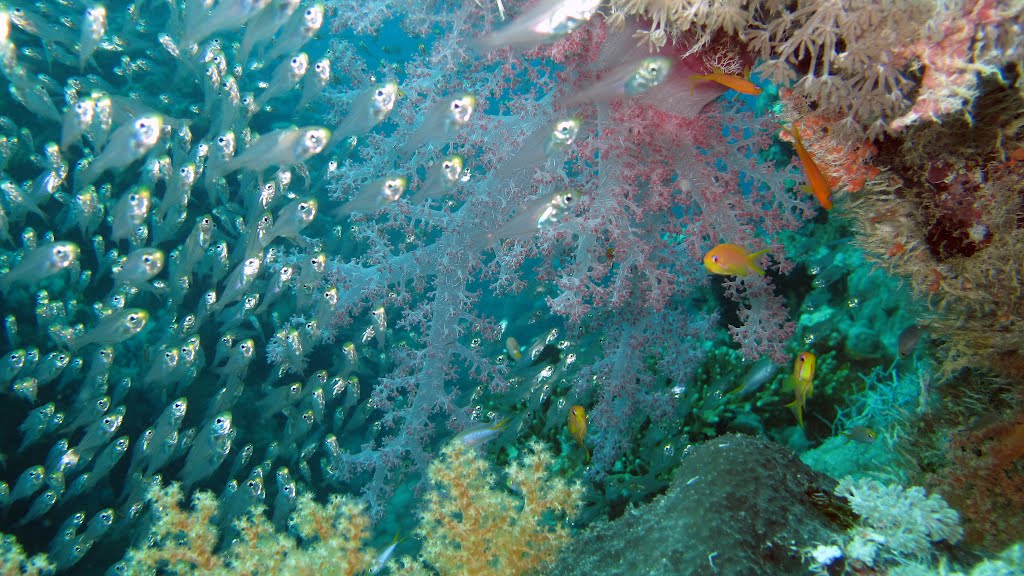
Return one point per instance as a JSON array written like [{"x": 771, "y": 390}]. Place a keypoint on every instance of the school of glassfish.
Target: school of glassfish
[{"x": 116, "y": 209}]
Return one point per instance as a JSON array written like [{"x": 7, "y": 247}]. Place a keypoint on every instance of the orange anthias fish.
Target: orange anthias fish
[
  {"x": 802, "y": 382},
  {"x": 815, "y": 179},
  {"x": 578, "y": 426},
  {"x": 735, "y": 82},
  {"x": 733, "y": 260}
]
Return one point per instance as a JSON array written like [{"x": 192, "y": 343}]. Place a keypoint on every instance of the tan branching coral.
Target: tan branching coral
[
  {"x": 333, "y": 538},
  {"x": 470, "y": 526}
]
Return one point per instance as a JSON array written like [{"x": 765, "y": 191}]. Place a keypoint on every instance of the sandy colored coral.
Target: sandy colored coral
[
  {"x": 333, "y": 539},
  {"x": 14, "y": 561},
  {"x": 470, "y": 526}
]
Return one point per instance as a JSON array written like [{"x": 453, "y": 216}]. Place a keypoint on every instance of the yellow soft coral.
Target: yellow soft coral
[
  {"x": 471, "y": 527},
  {"x": 333, "y": 538}
]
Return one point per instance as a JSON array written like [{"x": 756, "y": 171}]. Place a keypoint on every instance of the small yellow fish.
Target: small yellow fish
[
  {"x": 802, "y": 383},
  {"x": 735, "y": 82},
  {"x": 733, "y": 260},
  {"x": 861, "y": 434},
  {"x": 578, "y": 426},
  {"x": 513, "y": 349}
]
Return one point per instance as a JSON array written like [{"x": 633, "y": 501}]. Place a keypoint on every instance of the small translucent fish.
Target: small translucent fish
[
  {"x": 541, "y": 145},
  {"x": 315, "y": 81},
  {"x": 280, "y": 148},
  {"x": 40, "y": 506},
  {"x": 374, "y": 196},
  {"x": 264, "y": 25},
  {"x": 30, "y": 481},
  {"x": 284, "y": 78},
  {"x": 225, "y": 15},
  {"x": 759, "y": 374},
  {"x": 210, "y": 448},
  {"x": 35, "y": 425},
  {"x": 139, "y": 266},
  {"x": 733, "y": 260},
  {"x": 129, "y": 213},
  {"x": 301, "y": 28},
  {"x": 292, "y": 219},
  {"x": 238, "y": 281},
  {"x": 20, "y": 201},
  {"x": 40, "y": 263},
  {"x": 94, "y": 27},
  {"x": 861, "y": 434},
  {"x": 536, "y": 216},
  {"x": 481, "y": 433},
  {"x": 385, "y": 556},
  {"x": 127, "y": 144},
  {"x": 626, "y": 81},
  {"x": 545, "y": 21},
  {"x": 442, "y": 178},
  {"x": 370, "y": 107},
  {"x": 10, "y": 365},
  {"x": 440, "y": 122},
  {"x": 284, "y": 503},
  {"x": 113, "y": 328}
]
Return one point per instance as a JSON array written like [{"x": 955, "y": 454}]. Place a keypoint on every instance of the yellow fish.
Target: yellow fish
[
  {"x": 733, "y": 260},
  {"x": 513, "y": 349},
  {"x": 802, "y": 382},
  {"x": 578, "y": 426}
]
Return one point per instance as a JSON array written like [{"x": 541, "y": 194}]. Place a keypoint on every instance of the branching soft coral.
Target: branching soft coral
[
  {"x": 472, "y": 527},
  {"x": 182, "y": 541},
  {"x": 878, "y": 66}
]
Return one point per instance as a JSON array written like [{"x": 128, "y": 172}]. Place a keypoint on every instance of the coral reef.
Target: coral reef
[
  {"x": 738, "y": 505},
  {"x": 876, "y": 67}
]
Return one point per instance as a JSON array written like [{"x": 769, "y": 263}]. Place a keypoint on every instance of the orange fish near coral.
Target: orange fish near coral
[
  {"x": 733, "y": 260},
  {"x": 578, "y": 425},
  {"x": 815, "y": 179},
  {"x": 802, "y": 383},
  {"x": 735, "y": 82}
]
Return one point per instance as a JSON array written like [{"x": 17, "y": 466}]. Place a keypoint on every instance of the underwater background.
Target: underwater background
[{"x": 549, "y": 287}]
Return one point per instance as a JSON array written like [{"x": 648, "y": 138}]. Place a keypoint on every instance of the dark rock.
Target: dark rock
[{"x": 739, "y": 506}]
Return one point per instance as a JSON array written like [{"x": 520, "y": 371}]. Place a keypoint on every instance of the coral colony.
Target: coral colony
[{"x": 522, "y": 287}]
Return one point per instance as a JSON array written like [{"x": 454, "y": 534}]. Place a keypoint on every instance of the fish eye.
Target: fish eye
[
  {"x": 168, "y": 355},
  {"x": 714, "y": 258},
  {"x": 380, "y": 92}
]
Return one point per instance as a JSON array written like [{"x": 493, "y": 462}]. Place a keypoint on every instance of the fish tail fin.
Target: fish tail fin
[
  {"x": 794, "y": 132},
  {"x": 694, "y": 80},
  {"x": 798, "y": 411},
  {"x": 753, "y": 258}
]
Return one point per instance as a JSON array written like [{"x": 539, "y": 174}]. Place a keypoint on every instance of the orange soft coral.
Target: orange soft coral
[{"x": 472, "y": 527}]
